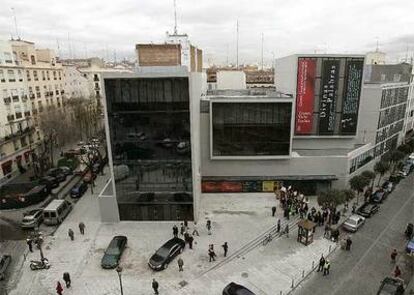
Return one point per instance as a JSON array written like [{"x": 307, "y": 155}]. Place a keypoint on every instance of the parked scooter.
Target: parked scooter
[{"x": 42, "y": 264}]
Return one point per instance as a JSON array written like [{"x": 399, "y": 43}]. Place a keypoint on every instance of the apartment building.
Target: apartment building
[{"x": 76, "y": 85}]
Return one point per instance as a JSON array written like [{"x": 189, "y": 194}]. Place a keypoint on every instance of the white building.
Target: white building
[
  {"x": 76, "y": 85},
  {"x": 227, "y": 80}
]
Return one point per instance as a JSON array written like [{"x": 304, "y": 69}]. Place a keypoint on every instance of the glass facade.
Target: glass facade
[
  {"x": 149, "y": 126},
  {"x": 251, "y": 128}
]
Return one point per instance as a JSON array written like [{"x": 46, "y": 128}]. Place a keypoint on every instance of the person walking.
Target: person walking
[
  {"x": 211, "y": 253},
  {"x": 66, "y": 278},
  {"x": 394, "y": 255},
  {"x": 190, "y": 241},
  {"x": 208, "y": 226},
  {"x": 155, "y": 286},
  {"x": 195, "y": 231},
  {"x": 175, "y": 231},
  {"x": 327, "y": 230},
  {"x": 348, "y": 244},
  {"x": 321, "y": 264},
  {"x": 397, "y": 272},
  {"x": 71, "y": 234},
  {"x": 326, "y": 267},
  {"x": 287, "y": 230},
  {"x": 186, "y": 224},
  {"x": 82, "y": 228},
  {"x": 59, "y": 288},
  {"x": 226, "y": 248},
  {"x": 182, "y": 229},
  {"x": 180, "y": 264},
  {"x": 273, "y": 211},
  {"x": 30, "y": 244},
  {"x": 278, "y": 226}
]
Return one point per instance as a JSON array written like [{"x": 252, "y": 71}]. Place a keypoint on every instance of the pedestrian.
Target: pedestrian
[
  {"x": 155, "y": 286},
  {"x": 286, "y": 213},
  {"x": 208, "y": 225},
  {"x": 273, "y": 211},
  {"x": 287, "y": 230},
  {"x": 397, "y": 272},
  {"x": 211, "y": 253},
  {"x": 327, "y": 230},
  {"x": 326, "y": 267},
  {"x": 190, "y": 241},
  {"x": 29, "y": 243},
  {"x": 394, "y": 255},
  {"x": 225, "y": 247},
  {"x": 180, "y": 264},
  {"x": 348, "y": 244},
  {"x": 186, "y": 224},
  {"x": 321, "y": 264},
  {"x": 278, "y": 225},
  {"x": 66, "y": 278},
  {"x": 186, "y": 236},
  {"x": 71, "y": 234},
  {"x": 59, "y": 288},
  {"x": 82, "y": 228},
  {"x": 353, "y": 208},
  {"x": 195, "y": 231},
  {"x": 175, "y": 231},
  {"x": 182, "y": 229}
]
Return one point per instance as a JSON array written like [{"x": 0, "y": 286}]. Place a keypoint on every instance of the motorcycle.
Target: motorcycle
[{"x": 42, "y": 264}]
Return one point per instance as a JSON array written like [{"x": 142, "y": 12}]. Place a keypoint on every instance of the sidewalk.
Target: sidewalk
[{"x": 236, "y": 218}]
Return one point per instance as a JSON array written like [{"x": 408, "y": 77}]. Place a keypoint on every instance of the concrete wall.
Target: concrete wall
[
  {"x": 199, "y": 60},
  {"x": 231, "y": 80},
  {"x": 369, "y": 107},
  {"x": 286, "y": 74}
]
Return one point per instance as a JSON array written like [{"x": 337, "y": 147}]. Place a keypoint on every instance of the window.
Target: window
[
  {"x": 54, "y": 75},
  {"x": 60, "y": 75},
  {"x": 20, "y": 75},
  {"x": 35, "y": 77},
  {"x": 8, "y": 57},
  {"x": 15, "y": 95},
  {"x": 43, "y": 76},
  {"x": 47, "y": 75},
  {"x": 11, "y": 75},
  {"x": 2, "y": 79},
  {"x": 28, "y": 75},
  {"x": 32, "y": 59}
]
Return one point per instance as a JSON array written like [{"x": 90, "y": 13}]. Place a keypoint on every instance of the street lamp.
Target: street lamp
[{"x": 119, "y": 271}]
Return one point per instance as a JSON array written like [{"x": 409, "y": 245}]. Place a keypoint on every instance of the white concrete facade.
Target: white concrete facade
[
  {"x": 231, "y": 80},
  {"x": 76, "y": 85}
]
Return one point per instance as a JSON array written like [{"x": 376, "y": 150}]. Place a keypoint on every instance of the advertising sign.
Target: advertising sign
[
  {"x": 352, "y": 92},
  {"x": 329, "y": 88},
  {"x": 252, "y": 186},
  {"x": 305, "y": 95}
]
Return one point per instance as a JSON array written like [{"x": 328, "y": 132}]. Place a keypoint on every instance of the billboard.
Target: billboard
[
  {"x": 352, "y": 92},
  {"x": 328, "y": 94},
  {"x": 305, "y": 95}
]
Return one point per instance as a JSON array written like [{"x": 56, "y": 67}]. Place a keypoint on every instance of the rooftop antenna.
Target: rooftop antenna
[
  {"x": 262, "y": 49},
  {"x": 15, "y": 23},
  {"x": 227, "y": 54},
  {"x": 237, "y": 44},
  {"x": 58, "y": 47},
  {"x": 70, "y": 47},
  {"x": 406, "y": 54},
  {"x": 377, "y": 49},
  {"x": 175, "y": 18}
]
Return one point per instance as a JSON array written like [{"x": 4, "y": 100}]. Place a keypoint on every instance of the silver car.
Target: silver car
[
  {"x": 32, "y": 218},
  {"x": 353, "y": 223}
]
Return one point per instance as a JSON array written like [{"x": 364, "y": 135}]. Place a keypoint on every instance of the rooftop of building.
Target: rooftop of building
[{"x": 246, "y": 93}]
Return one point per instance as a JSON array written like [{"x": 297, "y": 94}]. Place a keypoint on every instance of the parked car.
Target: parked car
[
  {"x": 353, "y": 223},
  {"x": 388, "y": 186},
  {"x": 379, "y": 196},
  {"x": 56, "y": 212},
  {"x": 32, "y": 218},
  {"x": 4, "y": 263},
  {"x": 78, "y": 190},
  {"x": 66, "y": 170},
  {"x": 406, "y": 170},
  {"x": 114, "y": 252},
  {"x": 36, "y": 194},
  {"x": 236, "y": 289},
  {"x": 57, "y": 173},
  {"x": 136, "y": 136},
  {"x": 89, "y": 177},
  {"x": 81, "y": 143},
  {"x": 49, "y": 181},
  {"x": 391, "y": 286},
  {"x": 368, "y": 209},
  {"x": 410, "y": 247},
  {"x": 166, "y": 253},
  {"x": 183, "y": 147}
]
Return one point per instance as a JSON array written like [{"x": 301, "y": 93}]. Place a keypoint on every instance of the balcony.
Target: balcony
[
  {"x": 19, "y": 115},
  {"x": 57, "y": 92},
  {"x": 7, "y": 100},
  {"x": 15, "y": 98},
  {"x": 46, "y": 94},
  {"x": 95, "y": 78},
  {"x": 27, "y": 114},
  {"x": 32, "y": 96},
  {"x": 38, "y": 95},
  {"x": 62, "y": 91},
  {"x": 12, "y": 80},
  {"x": 24, "y": 97},
  {"x": 2, "y": 80},
  {"x": 10, "y": 118}
]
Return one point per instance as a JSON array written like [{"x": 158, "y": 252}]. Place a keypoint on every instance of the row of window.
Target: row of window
[
  {"x": 393, "y": 96},
  {"x": 13, "y": 77},
  {"x": 389, "y": 131},
  {"x": 391, "y": 115}
]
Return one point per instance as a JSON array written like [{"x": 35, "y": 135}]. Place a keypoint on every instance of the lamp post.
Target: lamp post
[{"x": 119, "y": 271}]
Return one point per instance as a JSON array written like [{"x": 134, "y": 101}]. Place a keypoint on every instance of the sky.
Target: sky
[{"x": 110, "y": 29}]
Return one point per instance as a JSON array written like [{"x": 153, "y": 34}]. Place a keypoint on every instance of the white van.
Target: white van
[
  {"x": 56, "y": 212},
  {"x": 121, "y": 172}
]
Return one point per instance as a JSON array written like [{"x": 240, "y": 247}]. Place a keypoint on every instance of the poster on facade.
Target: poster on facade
[
  {"x": 352, "y": 92},
  {"x": 252, "y": 186},
  {"x": 270, "y": 185},
  {"x": 305, "y": 95},
  {"x": 231, "y": 187},
  {"x": 210, "y": 187},
  {"x": 328, "y": 93}
]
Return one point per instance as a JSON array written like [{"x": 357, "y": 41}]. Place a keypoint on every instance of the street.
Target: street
[{"x": 361, "y": 270}]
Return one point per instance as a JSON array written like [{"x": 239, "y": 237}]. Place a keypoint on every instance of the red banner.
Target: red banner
[{"x": 305, "y": 95}]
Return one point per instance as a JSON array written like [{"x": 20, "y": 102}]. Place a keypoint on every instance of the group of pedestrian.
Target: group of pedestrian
[
  {"x": 185, "y": 233},
  {"x": 66, "y": 278},
  {"x": 71, "y": 234},
  {"x": 324, "y": 266}
]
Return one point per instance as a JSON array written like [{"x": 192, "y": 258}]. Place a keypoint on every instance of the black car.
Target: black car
[
  {"x": 66, "y": 170},
  {"x": 114, "y": 252},
  {"x": 49, "y": 181},
  {"x": 368, "y": 209},
  {"x": 391, "y": 286},
  {"x": 166, "y": 253},
  {"x": 78, "y": 190},
  {"x": 4, "y": 263},
  {"x": 236, "y": 289},
  {"x": 57, "y": 173}
]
